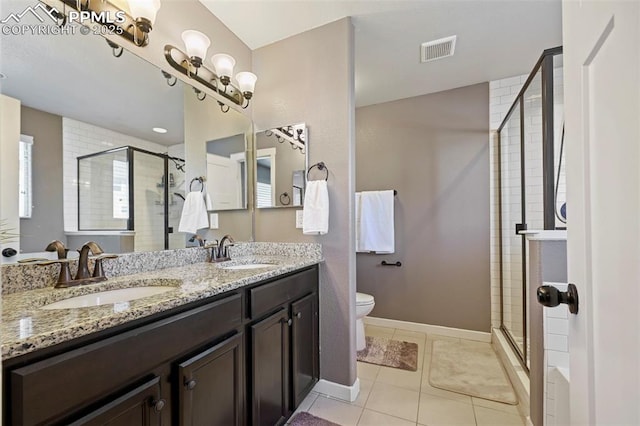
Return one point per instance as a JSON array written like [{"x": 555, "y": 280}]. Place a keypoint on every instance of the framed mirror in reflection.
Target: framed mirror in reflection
[{"x": 281, "y": 164}]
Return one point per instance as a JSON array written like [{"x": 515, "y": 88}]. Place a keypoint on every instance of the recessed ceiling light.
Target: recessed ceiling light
[{"x": 159, "y": 130}]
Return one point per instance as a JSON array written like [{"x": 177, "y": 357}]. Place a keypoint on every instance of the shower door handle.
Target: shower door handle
[
  {"x": 551, "y": 297},
  {"x": 520, "y": 227}
]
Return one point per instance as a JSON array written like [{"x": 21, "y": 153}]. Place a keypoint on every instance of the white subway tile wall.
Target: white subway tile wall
[
  {"x": 556, "y": 351},
  {"x": 82, "y": 139}
]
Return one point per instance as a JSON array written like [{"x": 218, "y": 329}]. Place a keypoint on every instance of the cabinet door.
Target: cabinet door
[
  {"x": 304, "y": 346},
  {"x": 270, "y": 369},
  {"x": 212, "y": 385},
  {"x": 139, "y": 407}
]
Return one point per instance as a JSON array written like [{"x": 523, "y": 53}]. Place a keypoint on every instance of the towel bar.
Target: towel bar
[
  {"x": 320, "y": 166},
  {"x": 200, "y": 179},
  {"x": 385, "y": 263}
]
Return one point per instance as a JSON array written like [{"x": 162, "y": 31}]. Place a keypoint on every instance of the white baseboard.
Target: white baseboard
[
  {"x": 478, "y": 336},
  {"x": 338, "y": 391}
]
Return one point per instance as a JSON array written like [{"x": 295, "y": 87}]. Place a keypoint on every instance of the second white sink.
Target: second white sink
[{"x": 108, "y": 297}]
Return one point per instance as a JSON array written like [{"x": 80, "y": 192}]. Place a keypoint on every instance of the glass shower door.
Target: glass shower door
[
  {"x": 148, "y": 201},
  {"x": 512, "y": 244}
]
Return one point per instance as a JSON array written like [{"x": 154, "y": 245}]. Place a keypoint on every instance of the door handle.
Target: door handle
[{"x": 550, "y": 296}]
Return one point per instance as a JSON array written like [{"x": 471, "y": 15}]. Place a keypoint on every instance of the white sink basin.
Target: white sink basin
[
  {"x": 108, "y": 297},
  {"x": 248, "y": 266}
]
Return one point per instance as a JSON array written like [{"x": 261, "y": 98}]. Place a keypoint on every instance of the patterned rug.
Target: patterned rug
[
  {"x": 470, "y": 368},
  {"x": 390, "y": 353},
  {"x": 305, "y": 419}
]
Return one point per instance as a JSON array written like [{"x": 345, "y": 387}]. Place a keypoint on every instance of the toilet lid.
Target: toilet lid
[{"x": 364, "y": 299}]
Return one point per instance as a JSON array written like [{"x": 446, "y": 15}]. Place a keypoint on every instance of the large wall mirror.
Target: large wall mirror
[
  {"x": 78, "y": 99},
  {"x": 281, "y": 163}
]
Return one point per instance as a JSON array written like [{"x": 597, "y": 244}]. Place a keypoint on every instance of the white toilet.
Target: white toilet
[{"x": 364, "y": 305}]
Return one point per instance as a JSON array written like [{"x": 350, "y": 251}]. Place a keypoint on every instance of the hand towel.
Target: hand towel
[
  {"x": 375, "y": 230},
  {"x": 194, "y": 213},
  {"x": 315, "y": 214}
]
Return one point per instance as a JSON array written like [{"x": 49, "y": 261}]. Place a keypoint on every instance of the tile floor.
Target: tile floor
[{"x": 393, "y": 397}]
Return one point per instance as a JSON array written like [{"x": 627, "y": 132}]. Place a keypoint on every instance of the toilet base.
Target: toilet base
[{"x": 361, "y": 342}]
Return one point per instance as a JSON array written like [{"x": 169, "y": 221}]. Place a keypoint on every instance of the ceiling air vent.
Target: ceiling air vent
[{"x": 437, "y": 49}]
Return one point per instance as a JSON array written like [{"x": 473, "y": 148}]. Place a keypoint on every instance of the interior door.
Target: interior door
[{"x": 602, "y": 83}]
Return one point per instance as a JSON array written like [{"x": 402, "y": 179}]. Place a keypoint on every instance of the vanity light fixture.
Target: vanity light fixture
[
  {"x": 292, "y": 134},
  {"x": 218, "y": 79},
  {"x": 116, "y": 50},
  {"x": 171, "y": 79},
  {"x": 135, "y": 26}
]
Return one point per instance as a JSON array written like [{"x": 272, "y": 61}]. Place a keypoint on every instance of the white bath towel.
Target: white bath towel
[
  {"x": 315, "y": 215},
  {"x": 375, "y": 230},
  {"x": 194, "y": 213}
]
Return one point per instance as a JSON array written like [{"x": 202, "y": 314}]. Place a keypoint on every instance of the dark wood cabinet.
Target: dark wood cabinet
[
  {"x": 304, "y": 346},
  {"x": 270, "y": 369},
  {"x": 212, "y": 385},
  {"x": 247, "y": 357},
  {"x": 283, "y": 346},
  {"x": 139, "y": 407}
]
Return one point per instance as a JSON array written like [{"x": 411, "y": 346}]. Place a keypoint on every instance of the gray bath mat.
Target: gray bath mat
[
  {"x": 305, "y": 419},
  {"x": 390, "y": 353},
  {"x": 470, "y": 368}
]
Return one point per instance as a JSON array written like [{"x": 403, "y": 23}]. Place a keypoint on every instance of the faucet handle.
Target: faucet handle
[
  {"x": 64, "y": 278},
  {"x": 98, "y": 272}
]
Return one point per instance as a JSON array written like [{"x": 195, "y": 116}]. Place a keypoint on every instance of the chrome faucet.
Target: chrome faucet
[
  {"x": 221, "y": 252},
  {"x": 83, "y": 261}
]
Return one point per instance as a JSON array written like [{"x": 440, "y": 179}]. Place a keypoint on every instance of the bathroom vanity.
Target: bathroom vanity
[{"x": 226, "y": 347}]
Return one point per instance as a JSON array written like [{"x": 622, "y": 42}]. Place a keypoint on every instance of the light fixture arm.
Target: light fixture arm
[{"x": 205, "y": 76}]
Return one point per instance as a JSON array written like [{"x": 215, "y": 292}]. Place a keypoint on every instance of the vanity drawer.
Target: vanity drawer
[
  {"x": 266, "y": 297},
  {"x": 48, "y": 390}
]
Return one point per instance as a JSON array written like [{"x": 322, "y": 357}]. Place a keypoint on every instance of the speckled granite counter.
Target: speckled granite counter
[{"x": 26, "y": 328}]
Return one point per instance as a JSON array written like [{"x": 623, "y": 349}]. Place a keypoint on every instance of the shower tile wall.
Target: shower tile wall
[{"x": 81, "y": 139}]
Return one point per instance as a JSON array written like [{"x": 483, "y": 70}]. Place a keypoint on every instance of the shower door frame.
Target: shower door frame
[
  {"x": 130, "y": 157},
  {"x": 545, "y": 65}
]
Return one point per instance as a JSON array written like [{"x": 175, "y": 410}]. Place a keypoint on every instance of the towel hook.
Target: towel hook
[
  {"x": 285, "y": 199},
  {"x": 200, "y": 179},
  {"x": 320, "y": 166}
]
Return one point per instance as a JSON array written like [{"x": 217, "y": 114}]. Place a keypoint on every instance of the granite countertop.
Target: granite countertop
[{"x": 26, "y": 328}]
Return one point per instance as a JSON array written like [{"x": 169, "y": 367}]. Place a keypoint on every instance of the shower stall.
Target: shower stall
[
  {"x": 130, "y": 189},
  {"x": 531, "y": 187}
]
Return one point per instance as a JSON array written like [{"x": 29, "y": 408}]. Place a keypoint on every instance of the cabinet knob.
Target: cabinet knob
[
  {"x": 191, "y": 384},
  {"x": 299, "y": 315},
  {"x": 158, "y": 405},
  {"x": 289, "y": 322}
]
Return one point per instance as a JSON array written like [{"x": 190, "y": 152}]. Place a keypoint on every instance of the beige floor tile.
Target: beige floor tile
[
  {"x": 435, "y": 411},
  {"x": 374, "y": 330},
  {"x": 373, "y": 418},
  {"x": 393, "y": 400},
  {"x": 402, "y": 378},
  {"x": 365, "y": 389},
  {"x": 489, "y": 417},
  {"x": 505, "y": 408},
  {"x": 336, "y": 411},
  {"x": 367, "y": 371}
]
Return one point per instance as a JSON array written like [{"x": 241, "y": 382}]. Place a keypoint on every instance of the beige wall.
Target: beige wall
[
  {"x": 319, "y": 92},
  {"x": 9, "y": 138},
  {"x": 46, "y": 222},
  {"x": 434, "y": 151}
]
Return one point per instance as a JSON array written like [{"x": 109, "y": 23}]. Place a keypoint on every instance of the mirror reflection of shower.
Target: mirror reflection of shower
[{"x": 131, "y": 189}]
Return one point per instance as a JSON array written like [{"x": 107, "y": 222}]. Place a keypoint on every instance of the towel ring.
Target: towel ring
[
  {"x": 286, "y": 197},
  {"x": 199, "y": 179},
  {"x": 320, "y": 166}
]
